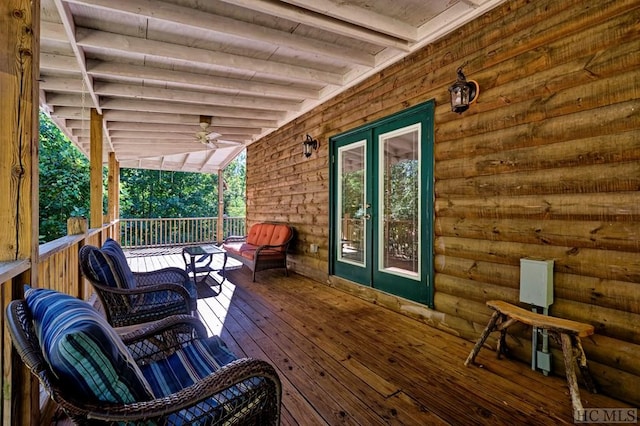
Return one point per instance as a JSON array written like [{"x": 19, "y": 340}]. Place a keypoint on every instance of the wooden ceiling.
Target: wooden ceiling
[{"x": 156, "y": 70}]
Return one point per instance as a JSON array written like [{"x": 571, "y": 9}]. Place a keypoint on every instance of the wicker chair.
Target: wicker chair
[
  {"x": 243, "y": 392},
  {"x": 131, "y": 298}
]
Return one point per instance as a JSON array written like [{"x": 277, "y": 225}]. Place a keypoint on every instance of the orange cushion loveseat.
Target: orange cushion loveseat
[{"x": 264, "y": 247}]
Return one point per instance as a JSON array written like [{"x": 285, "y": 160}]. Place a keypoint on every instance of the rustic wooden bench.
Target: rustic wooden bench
[{"x": 566, "y": 332}]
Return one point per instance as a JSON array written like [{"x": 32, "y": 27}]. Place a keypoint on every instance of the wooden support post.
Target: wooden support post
[
  {"x": 220, "y": 226},
  {"x": 19, "y": 73},
  {"x": 95, "y": 152},
  {"x": 19, "y": 68},
  {"x": 113, "y": 196}
]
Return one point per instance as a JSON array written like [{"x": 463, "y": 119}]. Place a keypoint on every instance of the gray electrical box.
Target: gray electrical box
[{"x": 536, "y": 282}]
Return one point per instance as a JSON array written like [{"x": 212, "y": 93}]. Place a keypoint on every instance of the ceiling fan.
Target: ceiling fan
[{"x": 211, "y": 138}]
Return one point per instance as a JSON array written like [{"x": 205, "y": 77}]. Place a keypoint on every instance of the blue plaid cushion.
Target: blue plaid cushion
[
  {"x": 114, "y": 252},
  {"x": 185, "y": 367},
  {"x": 83, "y": 351}
]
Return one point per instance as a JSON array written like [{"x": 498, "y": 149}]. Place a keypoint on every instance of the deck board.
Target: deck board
[{"x": 344, "y": 360}]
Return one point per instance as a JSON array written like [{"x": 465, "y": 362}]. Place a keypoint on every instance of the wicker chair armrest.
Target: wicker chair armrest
[
  {"x": 116, "y": 300},
  {"x": 187, "y": 324},
  {"x": 226, "y": 377},
  {"x": 20, "y": 325},
  {"x": 151, "y": 288},
  {"x": 166, "y": 275},
  {"x": 156, "y": 340}
]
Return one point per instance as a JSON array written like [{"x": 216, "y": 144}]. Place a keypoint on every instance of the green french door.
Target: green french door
[{"x": 382, "y": 202}]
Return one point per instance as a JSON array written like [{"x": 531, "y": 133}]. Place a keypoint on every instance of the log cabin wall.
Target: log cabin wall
[{"x": 545, "y": 165}]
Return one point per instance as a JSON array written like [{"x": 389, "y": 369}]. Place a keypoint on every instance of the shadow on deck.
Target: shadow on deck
[{"x": 344, "y": 360}]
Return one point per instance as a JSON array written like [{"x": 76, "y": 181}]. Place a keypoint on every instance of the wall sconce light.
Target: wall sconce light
[
  {"x": 309, "y": 145},
  {"x": 463, "y": 93}
]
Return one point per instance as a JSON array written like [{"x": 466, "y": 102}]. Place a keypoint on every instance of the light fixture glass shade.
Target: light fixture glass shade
[
  {"x": 463, "y": 93},
  {"x": 308, "y": 145}
]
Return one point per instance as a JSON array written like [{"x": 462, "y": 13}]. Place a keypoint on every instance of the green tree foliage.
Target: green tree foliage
[
  {"x": 64, "y": 181},
  {"x": 155, "y": 193},
  {"x": 235, "y": 178},
  {"x": 64, "y": 187}
]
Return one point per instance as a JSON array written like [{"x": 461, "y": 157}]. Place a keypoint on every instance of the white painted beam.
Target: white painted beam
[
  {"x": 53, "y": 62},
  {"x": 182, "y": 108},
  {"x": 117, "y": 135},
  {"x": 70, "y": 29},
  {"x": 361, "y": 17},
  {"x": 202, "y": 21},
  {"x": 179, "y": 79},
  {"x": 53, "y": 31},
  {"x": 61, "y": 84},
  {"x": 179, "y": 118},
  {"x": 179, "y": 128},
  {"x": 283, "y": 10},
  {"x": 157, "y": 93},
  {"x": 216, "y": 60}
]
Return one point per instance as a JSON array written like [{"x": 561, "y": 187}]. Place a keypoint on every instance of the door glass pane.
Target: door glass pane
[
  {"x": 399, "y": 207},
  {"x": 352, "y": 203}
]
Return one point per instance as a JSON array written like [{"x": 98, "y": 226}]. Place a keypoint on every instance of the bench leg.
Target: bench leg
[
  {"x": 502, "y": 344},
  {"x": 584, "y": 368},
  {"x": 570, "y": 371},
  {"x": 483, "y": 337}
]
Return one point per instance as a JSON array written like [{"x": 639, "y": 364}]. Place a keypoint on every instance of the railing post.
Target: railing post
[
  {"x": 220, "y": 230},
  {"x": 77, "y": 225}
]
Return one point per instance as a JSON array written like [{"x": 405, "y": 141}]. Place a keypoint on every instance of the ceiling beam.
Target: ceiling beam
[
  {"x": 178, "y": 128},
  {"x": 182, "y": 79},
  {"x": 71, "y": 112},
  {"x": 153, "y": 117},
  {"x": 453, "y": 17},
  {"x": 205, "y": 98},
  {"x": 216, "y": 60},
  {"x": 151, "y": 142},
  {"x": 173, "y": 107},
  {"x": 361, "y": 17},
  {"x": 130, "y": 134},
  {"x": 65, "y": 99},
  {"x": 203, "y": 21},
  {"x": 53, "y": 62},
  {"x": 53, "y": 31},
  {"x": 333, "y": 25},
  {"x": 207, "y": 159},
  {"x": 159, "y": 135},
  {"x": 61, "y": 84},
  {"x": 70, "y": 29}
]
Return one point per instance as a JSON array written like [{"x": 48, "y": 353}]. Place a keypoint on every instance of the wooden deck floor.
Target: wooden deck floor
[{"x": 343, "y": 360}]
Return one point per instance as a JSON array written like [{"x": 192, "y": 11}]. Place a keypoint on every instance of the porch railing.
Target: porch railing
[
  {"x": 56, "y": 268},
  {"x": 159, "y": 232}
]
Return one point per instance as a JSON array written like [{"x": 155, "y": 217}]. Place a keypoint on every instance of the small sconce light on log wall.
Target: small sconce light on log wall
[
  {"x": 463, "y": 93},
  {"x": 309, "y": 145}
]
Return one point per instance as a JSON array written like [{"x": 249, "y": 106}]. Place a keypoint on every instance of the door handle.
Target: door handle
[{"x": 367, "y": 216}]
